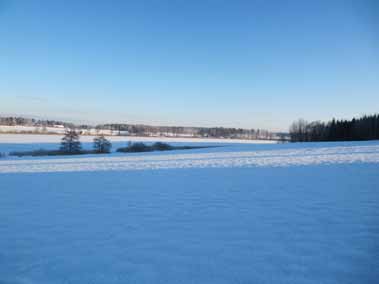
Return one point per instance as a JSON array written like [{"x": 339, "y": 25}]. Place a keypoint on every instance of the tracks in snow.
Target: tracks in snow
[{"x": 273, "y": 158}]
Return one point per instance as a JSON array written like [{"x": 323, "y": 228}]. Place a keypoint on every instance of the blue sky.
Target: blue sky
[{"x": 251, "y": 64}]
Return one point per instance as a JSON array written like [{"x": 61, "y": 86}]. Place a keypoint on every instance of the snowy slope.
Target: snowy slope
[{"x": 294, "y": 213}]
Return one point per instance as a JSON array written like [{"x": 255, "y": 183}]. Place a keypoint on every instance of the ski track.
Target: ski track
[{"x": 273, "y": 158}]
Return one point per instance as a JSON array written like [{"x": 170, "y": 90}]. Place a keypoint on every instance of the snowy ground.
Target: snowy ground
[
  {"x": 28, "y": 142},
  {"x": 241, "y": 213},
  {"x": 52, "y": 138}
]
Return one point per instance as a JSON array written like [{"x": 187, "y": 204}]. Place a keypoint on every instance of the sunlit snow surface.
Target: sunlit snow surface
[
  {"x": 285, "y": 213},
  {"x": 272, "y": 158}
]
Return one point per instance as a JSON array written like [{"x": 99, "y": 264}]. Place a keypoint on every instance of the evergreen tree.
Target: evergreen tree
[
  {"x": 101, "y": 144},
  {"x": 70, "y": 142},
  {"x": 364, "y": 128}
]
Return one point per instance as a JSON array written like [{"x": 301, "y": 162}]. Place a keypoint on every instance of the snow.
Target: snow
[
  {"x": 50, "y": 138},
  {"x": 240, "y": 213},
  {"x": 272, "y": 158},
  {"x": 28, "y": 142}
]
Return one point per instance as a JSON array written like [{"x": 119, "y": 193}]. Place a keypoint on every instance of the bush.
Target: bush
[
  {"x": 39, "y": 152},
  {"x": 160, "y": 146},
  {"x": 42, "y": 152},
  {"x": 139, "y": 147},
  {"x": 135, "y": 147}
]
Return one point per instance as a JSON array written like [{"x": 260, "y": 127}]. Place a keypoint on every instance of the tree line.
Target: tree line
[
  {"x": 16, "y": 120},
  {"x": 363, "y": 128},
  {"x": 211, "y": 132},
  {"x": 149, "y": 130}
]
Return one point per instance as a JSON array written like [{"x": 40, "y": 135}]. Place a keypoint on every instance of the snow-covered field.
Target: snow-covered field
[
  {"x": 53, "y": 138},
  {"x": 27, "y": 142},
  {"x": 240, "y": 213}
]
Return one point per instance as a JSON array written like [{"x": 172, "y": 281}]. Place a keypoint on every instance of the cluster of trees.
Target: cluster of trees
[
  {"x": 71, "y": 144},
  {"x": 363, "y": 128},
  {"x": 157, "y": 146}
]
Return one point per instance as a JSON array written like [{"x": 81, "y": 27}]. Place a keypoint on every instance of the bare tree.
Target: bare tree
[{"x": 298, "y": 130}]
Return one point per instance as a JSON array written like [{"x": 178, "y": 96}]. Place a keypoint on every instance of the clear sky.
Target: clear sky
[{"x": 252, "y": 64}]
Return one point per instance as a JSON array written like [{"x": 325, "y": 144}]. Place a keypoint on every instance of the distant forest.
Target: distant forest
[
  {"x": 214, "y": 132},
  {"x": 16, "y": 120},
  {"x": 148, "y": 130},
  {"x": 363, "y": 128}
]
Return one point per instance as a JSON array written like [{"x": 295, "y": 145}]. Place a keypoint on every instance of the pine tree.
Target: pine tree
[
  {"x": 363, "y": 128},
  {"x": 101, "y": 144},
  {"x": 70, "y": 142}
]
